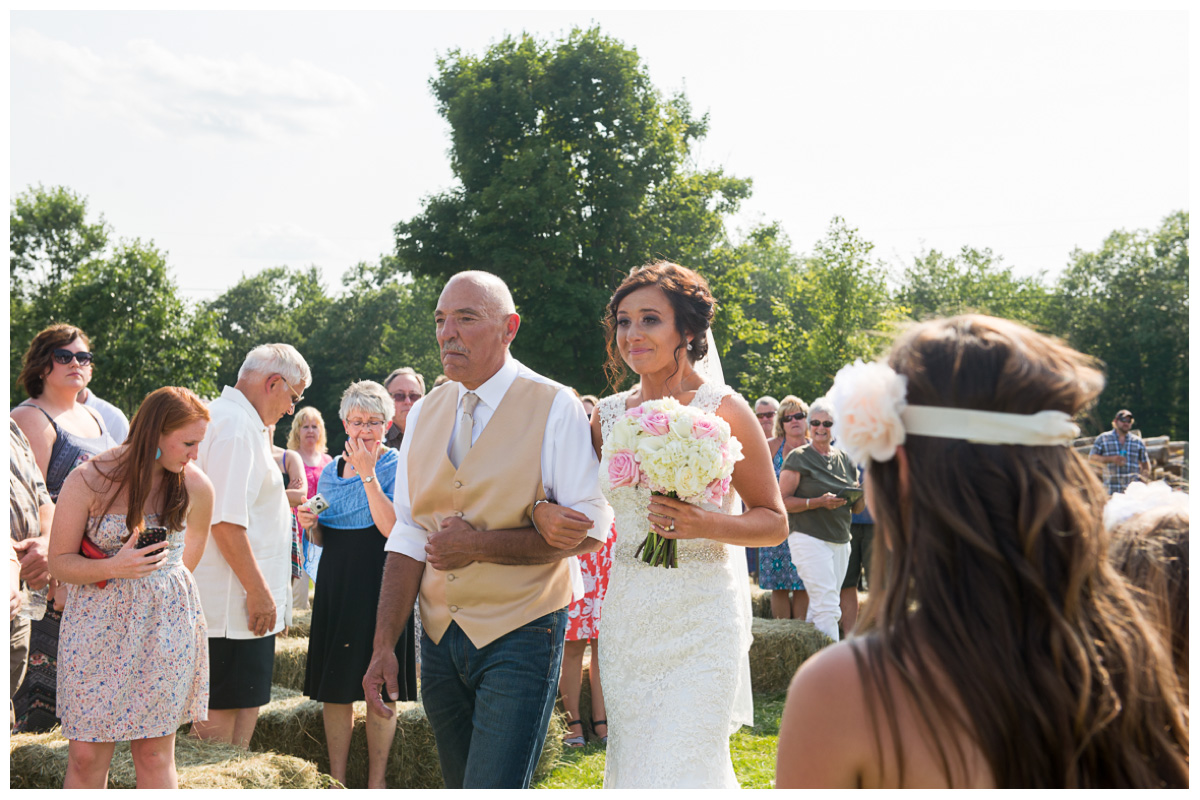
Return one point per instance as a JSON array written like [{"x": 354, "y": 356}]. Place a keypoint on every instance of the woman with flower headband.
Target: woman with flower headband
[
  {"x": 675, "y": 660},
  {"x": 1002, "y": 649}
]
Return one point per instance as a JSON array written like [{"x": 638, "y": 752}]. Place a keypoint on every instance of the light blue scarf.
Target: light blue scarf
[{"x": 347, "y": 497}]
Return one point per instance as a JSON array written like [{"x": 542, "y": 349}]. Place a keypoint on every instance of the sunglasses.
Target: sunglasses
[
  {"x": 766, "y": 415},
  {"x": 1119, "y": 419},
  {"x": 822, "y": 423},
  {"x": 63, "y": 356},
  {"x": 399, "y": 397},
  {"x": 790, "y": 417}
]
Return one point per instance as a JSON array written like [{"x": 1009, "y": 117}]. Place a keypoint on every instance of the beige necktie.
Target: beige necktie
[{"x": 462, "y": 440}]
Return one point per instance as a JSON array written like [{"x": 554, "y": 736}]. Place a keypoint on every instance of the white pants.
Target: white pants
[{"x": 822, "y": 567}]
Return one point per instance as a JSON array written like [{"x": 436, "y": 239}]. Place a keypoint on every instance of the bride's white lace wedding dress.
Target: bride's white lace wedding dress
[{"x": 675, "y": 643}]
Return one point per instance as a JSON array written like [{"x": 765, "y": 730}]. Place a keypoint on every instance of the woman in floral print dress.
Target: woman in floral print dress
[{"x": 133, "y": 653}]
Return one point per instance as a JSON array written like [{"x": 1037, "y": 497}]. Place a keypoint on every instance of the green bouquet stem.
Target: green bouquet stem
[{"x": 657, "y": 550}]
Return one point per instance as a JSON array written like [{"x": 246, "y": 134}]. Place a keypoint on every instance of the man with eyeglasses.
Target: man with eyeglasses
[
  {"x": 1122, "y": 453},
  {"x": 406, "y": 386},
  {"x": 245, "y": 574},
  {"x": 765, "y": 408}
]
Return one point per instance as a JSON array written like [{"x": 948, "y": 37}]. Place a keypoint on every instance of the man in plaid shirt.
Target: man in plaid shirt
[{"x": 1122, "y": 453}]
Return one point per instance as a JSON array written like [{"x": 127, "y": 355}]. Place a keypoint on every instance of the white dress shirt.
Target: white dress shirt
[
  {"x": 236, "y": 457},
  {"x": 570, "y": 470}
]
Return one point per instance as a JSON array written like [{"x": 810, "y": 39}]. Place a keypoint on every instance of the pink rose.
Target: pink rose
[
  {"x": 635, "y": 413},
  {"x": 623, "y": 469},
  {"x": 716, "y": 491},
  {"x": 656, "y": 424},
  {"x": 705, "y": 428}
]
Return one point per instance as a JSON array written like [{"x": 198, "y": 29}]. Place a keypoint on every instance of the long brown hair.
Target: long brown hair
[
  {"x": 690, "y": 299},
  {"x": 1151, "y": 550},
  {"x": 996, "y": 584},
  {"x": 39, "y": 358},
  {"x": 131, "y": 473}
]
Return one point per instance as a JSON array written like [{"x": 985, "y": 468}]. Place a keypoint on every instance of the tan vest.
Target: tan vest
[{"x": 494, "y": 488}]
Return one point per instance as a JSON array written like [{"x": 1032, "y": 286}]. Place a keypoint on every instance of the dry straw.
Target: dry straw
[
  {"x": 292, "y": 724},
  {"x": 780, "y": 647},
  {"x": 39, "y": 761}
]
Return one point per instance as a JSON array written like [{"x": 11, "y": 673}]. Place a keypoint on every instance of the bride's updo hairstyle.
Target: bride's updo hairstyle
[
  {"x": 997, "y": 583},
  {"x": 690, "y": 299}
]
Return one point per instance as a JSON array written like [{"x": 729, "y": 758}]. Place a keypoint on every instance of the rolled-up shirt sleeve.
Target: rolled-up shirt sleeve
[
  {"x": 570, "y": 470},
  {"x": 406, "y": 537}
]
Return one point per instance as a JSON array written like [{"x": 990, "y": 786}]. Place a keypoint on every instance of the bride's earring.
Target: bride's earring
[{"x": 689, "y": 345}]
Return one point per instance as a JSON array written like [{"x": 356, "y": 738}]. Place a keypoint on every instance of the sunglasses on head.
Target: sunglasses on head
[
  {"x": 790, "y": 417},
  {"x": 766, "y": 415},
  {"x": 822, "y": 423},
  {"x": 63, "y": 356},
  {"x": 399, "y": 397}
]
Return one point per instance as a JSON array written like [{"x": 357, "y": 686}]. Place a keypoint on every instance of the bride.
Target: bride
[{"x": 675, "y": 660}]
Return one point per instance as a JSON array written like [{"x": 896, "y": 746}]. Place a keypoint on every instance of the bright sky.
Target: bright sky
[{"x": 239, "y": 141}]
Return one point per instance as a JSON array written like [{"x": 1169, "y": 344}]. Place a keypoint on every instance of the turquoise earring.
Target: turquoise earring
[{"x": 158, "y": 454}]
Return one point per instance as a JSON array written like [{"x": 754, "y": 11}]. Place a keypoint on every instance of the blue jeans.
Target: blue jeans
[{"x": 490, "y": 706}]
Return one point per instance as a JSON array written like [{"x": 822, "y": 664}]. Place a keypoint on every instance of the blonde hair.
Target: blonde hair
[{"x": 302, "y": 416}]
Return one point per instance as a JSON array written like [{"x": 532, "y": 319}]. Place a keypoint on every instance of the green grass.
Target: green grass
[{"x": 752, "y": 750}]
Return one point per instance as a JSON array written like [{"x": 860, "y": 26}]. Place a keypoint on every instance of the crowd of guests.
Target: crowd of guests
[{"x": 110, "y": 522}]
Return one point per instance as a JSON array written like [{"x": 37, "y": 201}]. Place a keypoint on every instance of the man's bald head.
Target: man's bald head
[{"x": 497, "y": 298}]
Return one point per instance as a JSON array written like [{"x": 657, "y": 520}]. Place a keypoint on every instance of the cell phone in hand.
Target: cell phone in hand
[
  {"x": 152, "y": 535},
  {"x": 851, "y": 496},
  {"x": 316, "y": 504}
]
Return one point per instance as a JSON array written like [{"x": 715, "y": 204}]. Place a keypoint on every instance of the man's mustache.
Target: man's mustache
[{"x": 453, "y": 347}]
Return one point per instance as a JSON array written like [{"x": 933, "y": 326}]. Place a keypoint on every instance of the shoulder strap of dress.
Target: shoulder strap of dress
[
  {"x": 709, "y": 396},
  {"x": 39, "y": 408}
]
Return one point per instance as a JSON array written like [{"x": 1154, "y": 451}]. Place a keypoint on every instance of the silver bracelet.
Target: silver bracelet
[{"x": 531, "y": 519}]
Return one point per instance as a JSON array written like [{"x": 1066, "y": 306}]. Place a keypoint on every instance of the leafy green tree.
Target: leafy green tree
[
  {"x": 938, "y": 285},
  {"x": 145, "y": 336},
  {"x": 571, "y": 168},
  {"x": 380, "y": 322},
  {"x": 1127, "y": 304},
  {"x": 276, "y": 305},
  {"x": 49, "y": 237},
  {"x": 833, "y": 309}
]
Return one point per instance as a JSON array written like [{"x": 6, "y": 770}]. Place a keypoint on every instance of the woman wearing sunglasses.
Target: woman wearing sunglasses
[
  {"x": 814, "y": 483},
  {"x": 62, "y": 433},
  {"x": 359, "y": 487},
  {"x": 776, "y": 571}
]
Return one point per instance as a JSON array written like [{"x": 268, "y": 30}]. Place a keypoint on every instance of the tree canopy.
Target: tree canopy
[{"x": 571, "y": 169}]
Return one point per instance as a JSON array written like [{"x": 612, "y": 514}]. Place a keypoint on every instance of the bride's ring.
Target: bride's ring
[{"x": 671, "y": 527}]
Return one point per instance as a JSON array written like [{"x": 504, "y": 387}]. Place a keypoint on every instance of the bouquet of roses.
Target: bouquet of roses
[{"x": 672, "y": 450}]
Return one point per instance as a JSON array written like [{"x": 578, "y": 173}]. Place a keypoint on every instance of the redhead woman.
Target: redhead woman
[{"x": 133, "y": 656}]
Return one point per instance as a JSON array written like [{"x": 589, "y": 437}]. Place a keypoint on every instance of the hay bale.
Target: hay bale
[
  {"x": 301, "y": 624},
  {"x": 780, "y": 647},
  {"x": 290, "y": 658},
  {"x": 39, "y": 761},
  {"x": 760, "y": 602},
  {"x": 293, "y": 724}
]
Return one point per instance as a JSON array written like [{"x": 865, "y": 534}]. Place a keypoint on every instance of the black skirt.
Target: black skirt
[{"x": 340, "y": 643}]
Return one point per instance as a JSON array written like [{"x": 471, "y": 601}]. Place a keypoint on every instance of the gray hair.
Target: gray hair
[
  {"x": 821, "y": 406},
  {"x": 499, "y": 298},
  {"x": 766, "y": 399},
  {"x": 368, "y": 397},
  {"x": 404, "y": 371},
  {"x": 282, "y": 359}
]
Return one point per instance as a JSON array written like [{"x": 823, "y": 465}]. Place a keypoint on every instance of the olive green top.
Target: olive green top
[{"x": 819, "y": 475}]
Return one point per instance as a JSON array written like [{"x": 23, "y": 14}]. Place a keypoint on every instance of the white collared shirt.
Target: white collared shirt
[
  {"x": 570, "y": 470},
  {"x": 236, "y": 457}
]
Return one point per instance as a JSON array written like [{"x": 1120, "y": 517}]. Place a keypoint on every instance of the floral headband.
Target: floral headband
[
  {"x": 872, "y": 417},
  {"x": 1140, "y": 497}
]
